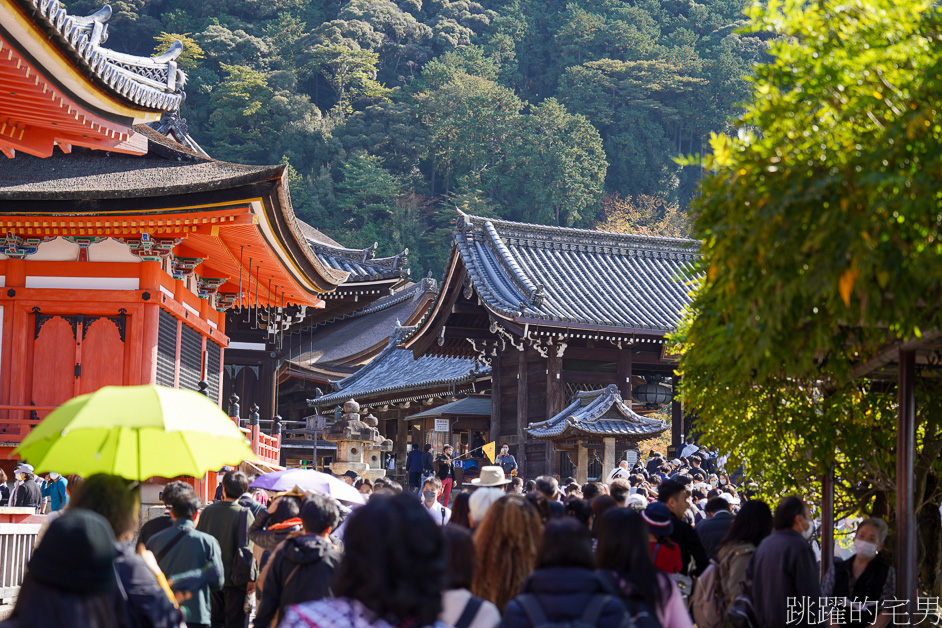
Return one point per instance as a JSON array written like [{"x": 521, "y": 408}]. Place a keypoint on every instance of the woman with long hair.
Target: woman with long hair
[
  {"x": 622, "y": 556},
  {"x": 391, "y": 574},
  {"x": 507, "y": 543},
  {"x": 565, "y": 588},
  {"x": 752, "y": 524}
]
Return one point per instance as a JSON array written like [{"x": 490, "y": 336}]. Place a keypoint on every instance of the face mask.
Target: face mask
[
  {"x": 808, "y": 531},
  {"x": 21, "y": 477},
  {"x": 429, "y": 496},
  {"x": 712, "y": 482},
  {"x": 865, "y": 549},
  {"x": 53, "y": 476},
  {"x": 518, "y": 490},
  {"x": 722, "y": 482},
  {"x": 504, "y": 450}
]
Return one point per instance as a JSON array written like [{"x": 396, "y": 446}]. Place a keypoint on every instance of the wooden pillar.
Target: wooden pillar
[
  {"x": 495, "y": 400},
  {"x": 582, "y": 463},
  {"x": 905, "y": 481},
  {"x": 523, "y": 412},
  {"x": 608, "y": 456},
  {"x": 150, "y": 284},
  {"x": 554, "y": 404},
  {"x": 402, "y": 433},
  {"x": 827, "y": 521},
  {"x": 623, "y": 369}
]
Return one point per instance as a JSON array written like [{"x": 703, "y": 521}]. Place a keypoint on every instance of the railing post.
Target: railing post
[
  {"x": 254, "y": 426},
  {"x": 234, "y": 408}
]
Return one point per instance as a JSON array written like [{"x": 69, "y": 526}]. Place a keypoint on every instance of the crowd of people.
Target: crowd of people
[{"x": 660, "y": 543}]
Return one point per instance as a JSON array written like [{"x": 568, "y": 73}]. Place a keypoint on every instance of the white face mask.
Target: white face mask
[
  {"x": 504, "y": 450},
  {"x": 518, "y": 490},
  {"x": 865, "y": 549},
  {"x": 807, "y": 532},
  {"x": 53, "y": 476}
]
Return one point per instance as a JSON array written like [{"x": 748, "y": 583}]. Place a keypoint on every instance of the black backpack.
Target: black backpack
[{"x": 589, "y": 618}]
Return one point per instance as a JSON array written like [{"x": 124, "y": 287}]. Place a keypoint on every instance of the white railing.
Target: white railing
[{"x": 16, "y": 547}]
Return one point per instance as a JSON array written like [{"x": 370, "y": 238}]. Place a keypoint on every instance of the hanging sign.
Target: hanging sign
[{"x": 441, "y": 425}]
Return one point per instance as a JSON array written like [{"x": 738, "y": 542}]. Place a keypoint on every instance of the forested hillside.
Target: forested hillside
[{"x": 393, "y": 112}]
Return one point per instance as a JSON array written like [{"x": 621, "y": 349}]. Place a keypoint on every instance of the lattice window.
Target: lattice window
[
  {"x": 191, "y": 358},
  {"x": 213, "y": 354},
  {"x": 166, "y": 348}
]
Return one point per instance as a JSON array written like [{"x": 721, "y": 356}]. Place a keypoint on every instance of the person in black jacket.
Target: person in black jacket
[
  {"x": 565, "y": 587},
  {"x": 863, "y": 576},
  {"x": 302, "y": 570},
  {"x": 675, "y": 494},
  {"x": 446, "y": 471},
  {"x": 27, "y": 493}
]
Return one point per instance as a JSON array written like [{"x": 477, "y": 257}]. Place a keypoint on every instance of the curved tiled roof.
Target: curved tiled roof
[
  {"x": 395, "y": 370},
  {"x": 598, "y": 413},
  {"x": 151, "y": 82},
  {"x": 534, "y": 273},
  {"x": 362, "y": 264}
]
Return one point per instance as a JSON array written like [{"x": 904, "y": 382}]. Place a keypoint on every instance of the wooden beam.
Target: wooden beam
[
  {"x": 554, "y": 403},
  {"x": 523, "y": 411},
  {"x": 466, "y": 307},
  {"x": 623, "y": 375},
  {"x": 476, "y": 333}
]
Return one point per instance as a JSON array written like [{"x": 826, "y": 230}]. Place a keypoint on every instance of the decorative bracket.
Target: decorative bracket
[
  {"x": 225, "y": 300},
  {"x": 183, "y": 267},
  {"x": 207, "y": 286},
  {"x": 150, "y": 249},
  {"x": 15, "y": 247}
]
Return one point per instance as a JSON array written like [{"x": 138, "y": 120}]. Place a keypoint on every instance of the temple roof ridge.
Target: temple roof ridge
[
  {"x": 151, "y": 82},
  {"x": 570, "y": 238}
]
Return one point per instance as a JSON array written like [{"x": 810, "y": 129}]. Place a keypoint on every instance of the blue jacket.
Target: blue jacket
[
  {"x": 147, "y": 603},
  {"x": 195, "y": 551},
  {"x": 55, "y": 491}
]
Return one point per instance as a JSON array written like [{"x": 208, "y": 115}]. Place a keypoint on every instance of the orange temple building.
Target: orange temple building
[{"x": 122, "y": 247}]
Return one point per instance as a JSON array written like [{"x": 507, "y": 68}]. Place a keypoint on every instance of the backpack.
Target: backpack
[
  {"x": 707, "y": 602},
  {"x": 589, "y": 618},
  {"x": 244, "y": 569}
]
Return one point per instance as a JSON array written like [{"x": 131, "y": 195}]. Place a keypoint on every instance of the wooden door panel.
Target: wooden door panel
[
  {"x": 102, "y": 355},
  {"x": 53, "y": 362}
]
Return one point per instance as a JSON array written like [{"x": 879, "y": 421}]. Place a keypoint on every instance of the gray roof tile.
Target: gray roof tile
[
  {"x": 598, "y": 413},
  {"x": 558, "y": 275}
]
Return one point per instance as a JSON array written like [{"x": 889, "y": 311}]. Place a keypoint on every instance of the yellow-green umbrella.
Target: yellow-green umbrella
[{"x": 135, "y": 432}]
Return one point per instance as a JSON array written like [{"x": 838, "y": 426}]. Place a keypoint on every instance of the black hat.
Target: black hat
[
  {"x": 351, "y": 474},
  {"x": 76, "y": 554}
]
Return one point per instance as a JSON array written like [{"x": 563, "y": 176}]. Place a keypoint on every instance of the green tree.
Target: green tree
[
  {"x": 366, "y": 196},
  {"x": 350, "y": 73},
  {"x": 241, "y": 105},
  {"x": 822, "y": 244},
  {"x": 559, "y": 167}
]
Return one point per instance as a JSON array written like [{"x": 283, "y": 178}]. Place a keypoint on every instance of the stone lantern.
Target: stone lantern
[{"x": 355, "y": 438}]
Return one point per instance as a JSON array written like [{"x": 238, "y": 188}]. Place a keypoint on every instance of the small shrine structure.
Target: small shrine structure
[{"x": 596, "y": 419}]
